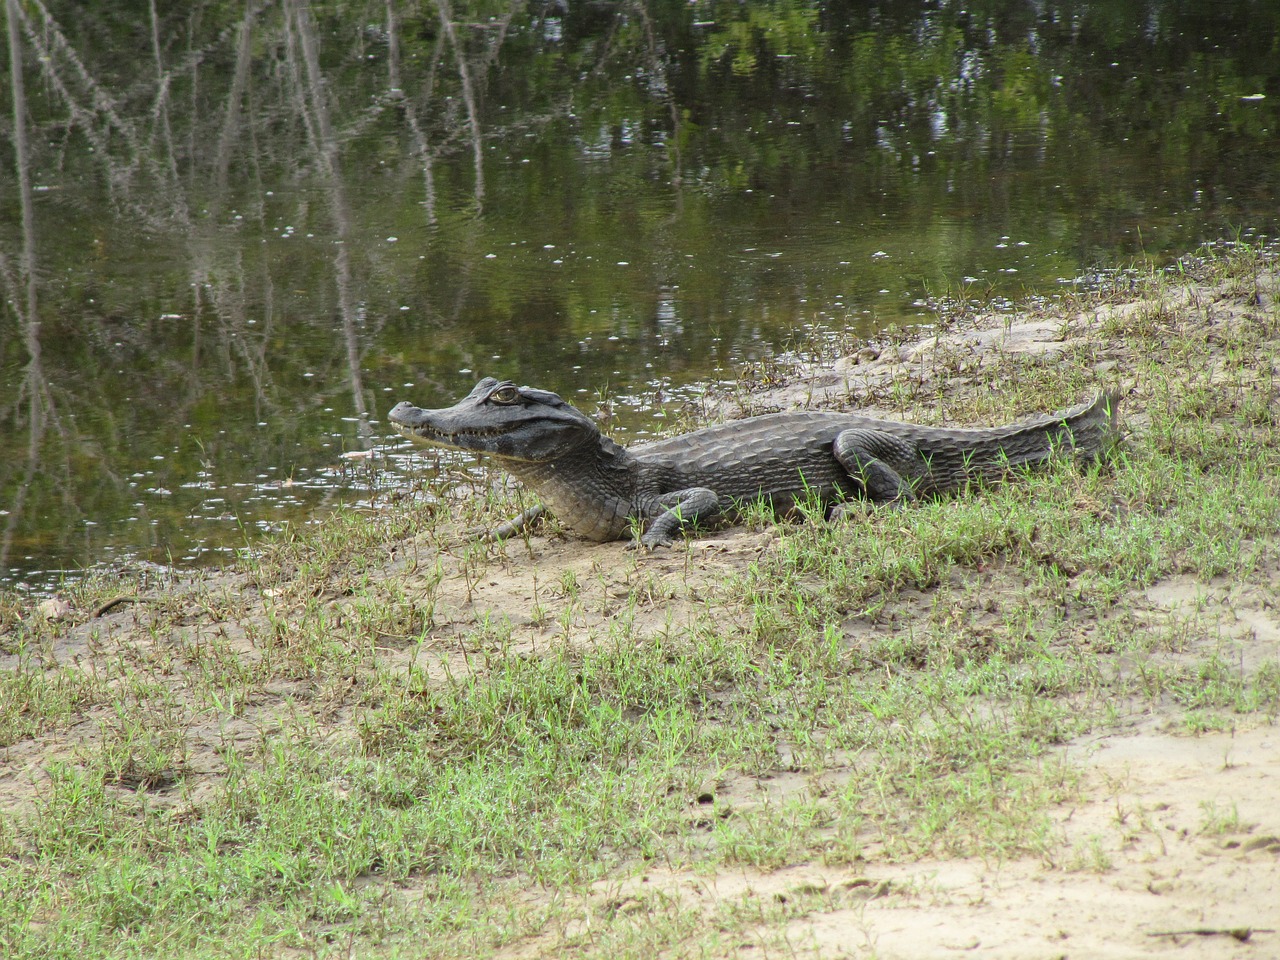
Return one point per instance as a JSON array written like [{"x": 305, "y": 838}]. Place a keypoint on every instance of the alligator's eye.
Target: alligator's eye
[{"x": 506, "y": 395}]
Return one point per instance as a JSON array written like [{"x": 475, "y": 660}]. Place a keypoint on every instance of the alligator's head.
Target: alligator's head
[{"x": 500, "y": 419}]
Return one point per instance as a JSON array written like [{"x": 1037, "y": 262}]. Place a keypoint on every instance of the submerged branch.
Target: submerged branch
[
  {"x": 468, "y": 98},
  {"x": 326, "y": 150},
  {"x": 231, "y": 117},
  {"x": 416, "y": 131}
]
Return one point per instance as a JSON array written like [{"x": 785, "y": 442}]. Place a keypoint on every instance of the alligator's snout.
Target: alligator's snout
[{"x": 405, "y": 414}]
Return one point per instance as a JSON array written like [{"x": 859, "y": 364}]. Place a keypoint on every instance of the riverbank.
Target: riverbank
[{"x": 1033, "y": 720}]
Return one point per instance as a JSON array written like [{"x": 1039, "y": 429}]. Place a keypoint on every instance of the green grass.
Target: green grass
[{"x": 340, "y": 748}]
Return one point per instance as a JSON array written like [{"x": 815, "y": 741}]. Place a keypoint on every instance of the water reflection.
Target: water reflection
[{"x": 234, "y": 234}]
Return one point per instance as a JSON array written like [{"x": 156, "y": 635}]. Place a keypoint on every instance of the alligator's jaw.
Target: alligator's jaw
[
  {"x": 502, "y": 420},
  {"x": 422, "y": 426},
  {"x": 436, "y": 429}
]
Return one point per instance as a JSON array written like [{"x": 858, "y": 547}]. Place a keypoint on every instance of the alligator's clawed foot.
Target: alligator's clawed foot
[
  {"x": 647, "y": 545},
  {"x": 859, "y": 508}
]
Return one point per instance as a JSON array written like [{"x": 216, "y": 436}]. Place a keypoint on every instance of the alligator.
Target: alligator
[{"x": 602, "y": 491}]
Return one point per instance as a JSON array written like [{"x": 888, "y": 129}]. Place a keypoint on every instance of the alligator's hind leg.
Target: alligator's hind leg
[
  {"x": 874, "y": 460},
  {"x": 678, "y": 510}
]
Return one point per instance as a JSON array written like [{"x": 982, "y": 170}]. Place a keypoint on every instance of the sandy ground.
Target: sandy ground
[{"x": 1143, "y": 873}]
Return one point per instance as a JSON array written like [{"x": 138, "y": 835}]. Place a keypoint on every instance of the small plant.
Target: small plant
[{"x": 1217, "y": 820}]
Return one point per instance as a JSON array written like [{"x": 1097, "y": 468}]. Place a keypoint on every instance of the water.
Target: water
[{"x": 229, "y": 243}]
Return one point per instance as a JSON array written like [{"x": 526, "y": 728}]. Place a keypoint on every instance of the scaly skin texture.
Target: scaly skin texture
[{"x": 599, "y": 490}]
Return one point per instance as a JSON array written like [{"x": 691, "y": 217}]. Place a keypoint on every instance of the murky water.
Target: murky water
[{"x": 229, "y": 242}]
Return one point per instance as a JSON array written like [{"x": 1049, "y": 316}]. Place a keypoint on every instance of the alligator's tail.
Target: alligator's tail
[
  {"x": 1086, "y": 431},
  {"x": 1091, "y": 429},
  {"x": 959, "y": 456}
]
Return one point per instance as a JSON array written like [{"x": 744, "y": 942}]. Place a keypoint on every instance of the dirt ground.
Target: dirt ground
[
  {"x": 1142, "y": 877},
  {"x": 1175, "y": 851}
]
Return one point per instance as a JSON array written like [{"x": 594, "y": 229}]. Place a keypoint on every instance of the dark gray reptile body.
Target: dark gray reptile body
[{"x": 597, "y": 488}]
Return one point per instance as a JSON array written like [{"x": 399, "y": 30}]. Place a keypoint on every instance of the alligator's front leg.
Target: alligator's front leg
[
  {"x": 874, "y": 459},
  {"x": 517, "y": 524},
  {"x": 679, "y": 509}
]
